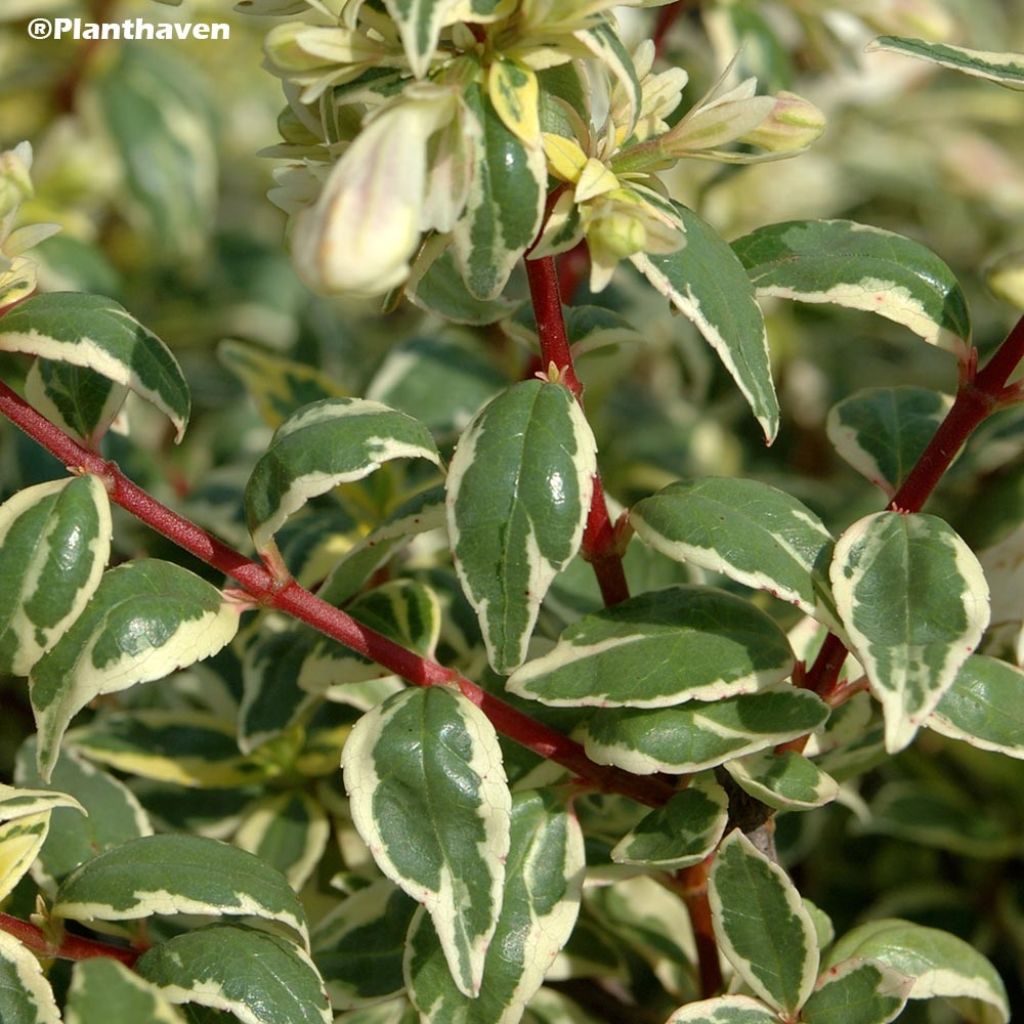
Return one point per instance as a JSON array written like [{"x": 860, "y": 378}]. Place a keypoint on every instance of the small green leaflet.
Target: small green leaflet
[
  {"x": 940, "y": 964},
  {"x": 288, "y": 830},
  {"x": 419, "y": 24},
  {"x": 99, "y": 334},
  {"x": 693, "y": 736},
  {"x": 745, "y": 889},
  {"x": 106, "y": 992},
  {"x": 914, "y": 602},
  {"x": 114, "y": 814},
  {"x": 984, "y": 706},
  {"x": 861, "y": 267},
  {"x": 725, "y": 1010},
  {"x": 146, "y": 619},
  {"x": 54, "y": 545},
  {"x": 178, "y": 874},
  {"x": 881, "y": 432},
  {"x": 519, "y": 492},
  {"x": 80, "y": 401},
  {"x": 857, "y": 992},
  {"x": 25, "y": 995},
  {"x": 683, "y": 832},
  {"x": 428, "y": 795},
  {"x": 997, "y": 66},
  {"x": 506, "y": 202},
  {"x": 334, "y": 441},
  {"x": 358, "y": 947},
  {"x": 786, "y": 781},
  {"x": 709, "y": 286},
  {"x": 657, "y": 649},
  {"x": 751, "y": 532},
  {"x": 259, "y": 977},
  {"x": 543, "y": 882}
]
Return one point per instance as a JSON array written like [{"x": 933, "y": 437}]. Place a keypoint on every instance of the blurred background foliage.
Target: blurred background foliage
[{"x": 148, "y": 155}]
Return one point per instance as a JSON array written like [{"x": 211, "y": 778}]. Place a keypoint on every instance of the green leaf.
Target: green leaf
[
  {"x": 334, "y": 441},
  {"x": 358, "y": 947},
  {"x": 543, "y": 880},
  {"x": 146, "y": 619},
  {"x": 287, "y": 830},
  {"x": 191, "y": 748},
  {"x": 25, "y": 995},
  {"x": 505, "y": 205},
  {"x": 160, "y": 117},
  {"x": 857, "y": 992},
  {"x": 751, "y": 532},
  {"x": 694, "y": 736},
  {"x": 54, "y": 544},
  {"x": 178, "y": 874},
  {"x": 519, "y": 492},
  {"x": 914, "y": 602},
  {"x": 114, "y": 815},
  {"x": 106, "y": 992},
  {"x": 436, "y": 286},
  {"x": 660, "y": 648},
  {"x": 260, "y": 978},
  {"x": 882, "y": 432},
  {"x": 428, "y": 795},
  {"x": 725, "y": 1010},
  {"x": 1001, "y": 67},
  {"x": 984, "y": 706},
  {"x": 80, "y": 401},
  {"x": 786, "y": 781},
  {"x": 709, "y": 286},
  {"x": 940, "y": 964},
  {"x": 99, "y": 334},
  {"x": 762, "y": 925},
  {"x": 860, "y": 267},
  {"x": 683, "y": 832}
]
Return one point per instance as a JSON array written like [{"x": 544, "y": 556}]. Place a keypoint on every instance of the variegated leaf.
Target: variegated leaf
[
  {"x": 984, "y": 706},
  {"x": 940, "y": 965},
  {"x": 278, "y": 386},
  {"x": 707, "y": 283},
  {"x": 998, "y": 66},
  {"x": 25, "y": 994},
  {"x": 17, "y": 803},
  {"x": 330, "y": 442},
  {"x": 693, "y": 736},
  {"x": 786, "y": 781},
  {"x": 428, "y": 795},
  {"x": 287, "y": 830},
  {"x": 914, "y": 602},
  {"x": 436, "y": 286},
  {"x": 683, "y": 832},
  {"x": 178, "y": 874},
  {"x": 54, "y": 545},
  {"x": 857, "y": 992},
  {"x": 358, "y": 947},
  {"x": 604, "y": 43},
  {"x": 258, "y": 977},
  {"x": 543, "y": 880},
  {"x": 419, "y": 24},
  {"x": 515, "y": 95},
  {"x": 860, "y": 267},
  {"x": 146, "y": 619},
  {"x": 506, "y": 202},
  {"x": 191, "y": 748},
  {"x": 99, "y": 334},
  {"x": 725, "y": 1010},
  {"x": 747, "y": 891},
  {"x": 519, "y": 493},
  {"x": 658, "y": 649},
  {"x": 106, "y": 992},
  {"x": 394, "y": 1011},
  {"x": 882, "y": 432},
  {"x": 112, "y": 816},
  {"x": 751, "y": 532},
  {"x": 80, "y": 401}
]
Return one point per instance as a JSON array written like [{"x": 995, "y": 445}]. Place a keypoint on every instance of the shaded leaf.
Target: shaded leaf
[{"x": 106, "y": 992}]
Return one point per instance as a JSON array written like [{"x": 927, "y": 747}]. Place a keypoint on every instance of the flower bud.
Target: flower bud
[
  {"x": 15, "y": 182},
  {"x": 793, "y": 124}
]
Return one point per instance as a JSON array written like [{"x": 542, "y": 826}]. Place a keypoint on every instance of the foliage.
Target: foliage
[{"x": 391, "y": 751}]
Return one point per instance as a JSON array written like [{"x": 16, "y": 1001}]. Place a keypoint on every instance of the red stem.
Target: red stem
[
  {"x": 72, "y": 947},
  {"x": 331, "y": 621}
]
